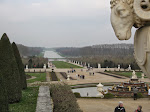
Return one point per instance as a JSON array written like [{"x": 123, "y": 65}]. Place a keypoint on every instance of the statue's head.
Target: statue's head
[{"x": 128, "y": 13}]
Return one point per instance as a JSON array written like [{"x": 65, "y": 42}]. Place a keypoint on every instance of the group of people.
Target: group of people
[
  {"x": 72, "y": 71},
  {"x": 120, "y": 108},
  {"x": 80, "y": 76},
  {"x": 91, "y": 73}
]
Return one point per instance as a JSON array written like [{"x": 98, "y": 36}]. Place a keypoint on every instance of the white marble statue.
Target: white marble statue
[
  {"x": 26, "y": 67},
  {"x": 85, "y": 64},
  {"x": 48, "y": 64},
  {"x": 99, "y": 65},
  {"x": 118, "y": 67},
  {"x": 44, "y": 66},
  {"x": 134, "y": 76},
  {"x": 128, "y": 13},
  {"x": 88, "y": 65},
  {"x": 142, "y": 76},
  {"x": 68, "y": 77},
  {"x": 100, "y": 90},
  {"x": 78, "y": 63},
  {"x": 129, "y": 68}
]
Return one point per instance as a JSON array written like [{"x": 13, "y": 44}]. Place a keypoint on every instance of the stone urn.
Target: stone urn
[
  {"x": 68, "y": 77},
  {"x": 100, "y": 90},
  {"x": 142, "y": 76}
]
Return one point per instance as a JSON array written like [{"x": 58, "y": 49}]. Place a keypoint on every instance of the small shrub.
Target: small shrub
[
  {"x": 139, "y": 95},
  {"x": 77, "y": 95},
  {"x": 108, "y": 95}
]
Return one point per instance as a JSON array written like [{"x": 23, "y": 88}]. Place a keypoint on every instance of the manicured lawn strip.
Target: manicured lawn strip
[
  {"x": 126, "y": 74},
  {"x": 39, "y": 77},
  {"x": 62, "y": 64},
  {"x": 28, "y": 101}
]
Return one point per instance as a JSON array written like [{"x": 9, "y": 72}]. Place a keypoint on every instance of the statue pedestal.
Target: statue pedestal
[
  {"x": 142, "y": 49},
  {"x": 100, "y": 90}
]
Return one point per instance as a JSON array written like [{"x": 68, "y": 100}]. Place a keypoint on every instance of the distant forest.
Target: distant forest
[
  {"x": 31, "y": 56},
  {"x": 108, "y": 55},
  {"x": 98, "y": 50},
  {"x": 29, "y": 51}
]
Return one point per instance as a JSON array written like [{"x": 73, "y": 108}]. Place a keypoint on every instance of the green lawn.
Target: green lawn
[
  {"x": 127, "y": 74},
  {"x": 62, "y": 64},
  {"x": 28, "y": 101},
  {"x": 39, "y": 77}
]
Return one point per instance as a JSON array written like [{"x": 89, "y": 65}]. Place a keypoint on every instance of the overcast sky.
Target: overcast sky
[{"x": 57, "y": 23}]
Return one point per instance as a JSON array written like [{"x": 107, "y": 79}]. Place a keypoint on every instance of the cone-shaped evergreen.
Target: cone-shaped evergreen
[
  {"x": 3, "y": 94},
  {"x": 20, "y": 66},
  {"x": 10, "y": 71}
]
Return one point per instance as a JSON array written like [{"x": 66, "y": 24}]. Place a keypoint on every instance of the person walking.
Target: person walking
[
  {"x": 135, "y": 91},
  {"x": 139, "y": 109},
  {"x": 120, "y": 107}
]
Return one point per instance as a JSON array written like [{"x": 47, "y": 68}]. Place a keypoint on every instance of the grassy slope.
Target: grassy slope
[
  {"x": 61, "y": 64},
  {"x": 28, "y": 101},
  {"x": 39, "y": 77}
]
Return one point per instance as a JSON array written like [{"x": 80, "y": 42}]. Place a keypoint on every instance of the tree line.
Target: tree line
[
  {"x": 29, "y": 51},
  {"x": 35, "y": 62},
  {"x": 108, "y": 55},
  {"x": 97, "y": 50},
  {"x": 12, "y": 75}
]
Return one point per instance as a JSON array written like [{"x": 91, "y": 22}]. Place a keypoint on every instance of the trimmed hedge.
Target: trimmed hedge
[
  {"x": 63, "y": 98},
  {"x": 77, "y": 95},
  {"x": 20, "y": 66},
  {"x": 9, "y": 70},
  {"x": 140, "y": 95},
  {"x": 108, "y": 95},
  {"x": 53, "y": 76},
  {"x": 3, "y": 96}
]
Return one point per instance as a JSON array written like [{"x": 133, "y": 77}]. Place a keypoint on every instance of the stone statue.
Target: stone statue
[
  {"x": 44, "y": 66},
  {"x": 99, "y": 65},
  {"x": 118, "y": 67},
  {"x": 129, "y": 68},
  {"x": 100, "y": 90},
  {"x": 68, "y": 77},
  {"x": 134, "y": 76},
  {"x": 128, "y": 13},
  {"x": 142, "y": 76},
  {"x": 26, "y": 67}
]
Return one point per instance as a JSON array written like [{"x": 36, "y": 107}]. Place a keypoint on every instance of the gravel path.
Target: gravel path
[{"x": 108, "y": 105}]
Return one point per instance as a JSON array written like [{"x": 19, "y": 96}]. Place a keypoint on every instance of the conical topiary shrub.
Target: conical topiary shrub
[
  {"x": 3, "y": 94},
  {"x": 10, "y": 71},
  {"x": 20, "y": 66}
]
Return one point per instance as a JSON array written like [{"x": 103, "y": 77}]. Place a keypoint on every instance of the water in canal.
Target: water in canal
[{"x": 91, "y": 91}]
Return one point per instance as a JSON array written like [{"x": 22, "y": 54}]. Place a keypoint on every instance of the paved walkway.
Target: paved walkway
[
  {"x": 44, "y": 102},
  {"x": 108, "y": 105},
  {"x": 97, "y": 78}
]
